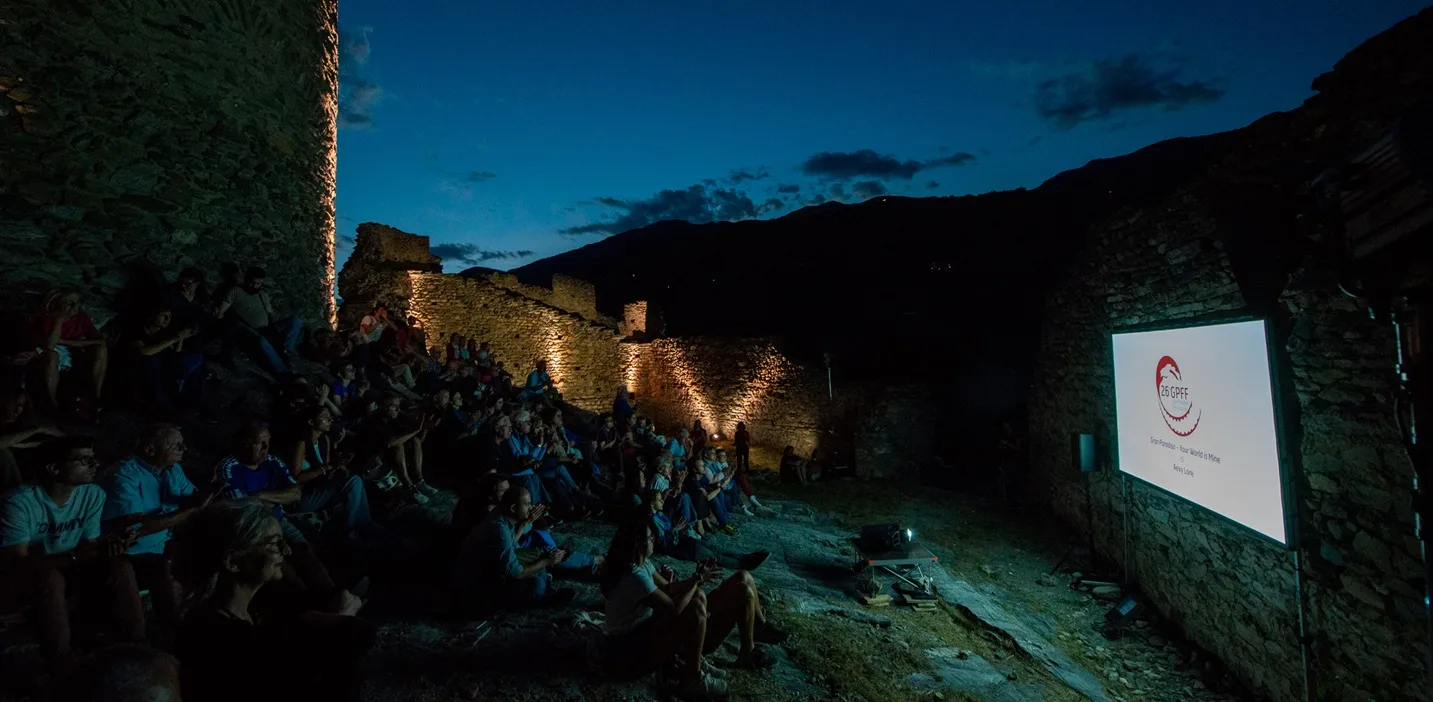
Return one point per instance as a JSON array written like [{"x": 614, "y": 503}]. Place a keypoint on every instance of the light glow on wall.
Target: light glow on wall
[{"x": 330, "y": 176}]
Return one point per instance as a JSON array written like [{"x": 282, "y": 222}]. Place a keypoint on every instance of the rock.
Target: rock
[
  {"x": 1106, "y": 592},
  {"x": 1156, "y": 640},
  {"x": 1113, "y": 676}
]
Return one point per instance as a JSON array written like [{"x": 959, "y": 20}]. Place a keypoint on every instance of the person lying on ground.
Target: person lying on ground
[
  {"x": 490, "y": 575},
  {"x": 653, "y": 617},
  {"x": 148, "y": 495},
  {"x": 233, "y": 553},
  {"x": 51, "y": 550}
]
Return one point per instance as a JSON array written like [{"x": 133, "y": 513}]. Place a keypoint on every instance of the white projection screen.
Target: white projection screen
[{"x": 1195, "y": 417}]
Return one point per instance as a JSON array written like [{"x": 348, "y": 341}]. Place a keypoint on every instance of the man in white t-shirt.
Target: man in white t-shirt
[
  {"x": 51, "y": 548},
  {"x": 253, "y": 323}
]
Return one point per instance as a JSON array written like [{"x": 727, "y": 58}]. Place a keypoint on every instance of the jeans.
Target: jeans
[
  {"x": 682, "y": 508},
  {"x": 260, "y": 342},
  {"x": 529, "y": 480},
  {"x": 168, "y": 371},
  {"x": 346, "y": 497}
]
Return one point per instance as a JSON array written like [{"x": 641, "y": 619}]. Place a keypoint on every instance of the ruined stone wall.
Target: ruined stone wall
[
  {"x": 725, "y": 381},
  {"x": 634, "y": 319},
  {"x": 138, "y": 137},
  {"x": 567, "y": 293},
  {"x": 582, "y": 357},
  {"x": 1230, "y": 591}
]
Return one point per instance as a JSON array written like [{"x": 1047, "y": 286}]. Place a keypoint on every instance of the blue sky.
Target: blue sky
[{"x": 516, "y": 130}]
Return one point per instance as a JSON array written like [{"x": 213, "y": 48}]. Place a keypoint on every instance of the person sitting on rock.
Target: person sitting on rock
[
  {"x": 675, "y": 541},
  {"x": 680, "y": 446},
  {"x": 793, "y": 468},
  {"x": 154, "y": 348},
  {"x": 490, "y": 575},
  {"x": 67, "y": 336},
  {"x": 256, "y": 327},
  {"x": 17, "y": 433},
  {"x": 148, "y": 495},
  {"x": 540, "y": 386},
  {"x": 653, "y": 617},
  {"x": 321, "y": 470},
  {"x": 400, "y": 445},
  {"x": 711, "y": 505},
  {"x": 251, "y": 473},
  {"x": 51, "y": 550},
  {"x": 229, "y": 553}
]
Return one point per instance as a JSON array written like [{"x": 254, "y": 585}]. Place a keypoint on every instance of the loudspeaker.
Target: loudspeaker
[{"x": 1083, "y": 455}]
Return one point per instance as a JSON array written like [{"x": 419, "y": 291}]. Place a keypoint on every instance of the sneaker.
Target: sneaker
[
  {"x": 754, "y": 500},
  {"x": 713, "y": 671},
  {"x": 692, "y": 534},
  {"x": 769, "y": 633},
  {"x": 729, "y": 530},
  {"x": 747, "y": 511},
  {"x": 425, "y": 488},
  {"x": 418, "y": 496},
  {"x": 755, "y": 659},
  {"x": 702, "y": 689}
]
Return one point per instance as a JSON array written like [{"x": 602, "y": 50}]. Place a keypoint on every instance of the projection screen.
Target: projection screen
[{"x": 1195, "y": 417}]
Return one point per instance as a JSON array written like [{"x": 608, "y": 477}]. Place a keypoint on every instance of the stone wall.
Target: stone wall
[
  {"x": 565, "y": 293},
  {"x": 634, "y": 319},
  {"x": 725, "y": 381},
  {"x": 582, "y": 357},
  {"x": 138, "y": 137},
  {"x": 1230, "y": 591}
]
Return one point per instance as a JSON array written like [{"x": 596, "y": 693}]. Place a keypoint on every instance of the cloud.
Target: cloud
[
  {"x": 932, "y": 185},
  {"x": 838, "y": 192},
  {"x": 866, "y": 189},
  {"x": 1095, "y": 91},
  {"x": 788, "y": 189},
  {"x": 772, "y": 205},
  {"x": 742, "y": 175},
  {"x": 357, "y": 96},
  {"x": 459, "y": 186},
  {"x": 841, "y": 165},
  {"x": 471, "y": 255},
  {"x": 698, "y": 204}
]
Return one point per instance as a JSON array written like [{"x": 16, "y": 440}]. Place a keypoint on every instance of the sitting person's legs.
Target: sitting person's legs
[
  {"x": 735, "y": 603},
  {"x": 105, "y": 587},
  {"x": 285, "y": 332},
  {"x": 345, "y": 496},
  {"x": 254, "y": 343}
]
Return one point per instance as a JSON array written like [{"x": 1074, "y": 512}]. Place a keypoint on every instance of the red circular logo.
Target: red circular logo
[{"x": 1176, "y": 400}]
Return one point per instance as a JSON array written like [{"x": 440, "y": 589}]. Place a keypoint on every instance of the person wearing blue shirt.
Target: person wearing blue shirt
[
  {"x": 540, "y": 385},
  {"x": 251, "y": 473},
  {"x": 148, "y": 494},
  {"x": 678, "y": 446},
  {"x": 490, "y": 575}
]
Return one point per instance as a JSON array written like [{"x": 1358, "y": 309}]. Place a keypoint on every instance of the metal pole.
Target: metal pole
[{"x": 1303, "y": 631}]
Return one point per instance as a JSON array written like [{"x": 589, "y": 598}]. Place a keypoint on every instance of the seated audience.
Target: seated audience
[
  {"x": 148, "y": 495},
  {"x": 489, "y": 574},
  {"x": 67, "y": 336},
  {"x": 15, "y": 433},
  {"x": 51, "y": 550},
  {"x": 252, "y": 473},
  {"x": 256, "y": 327},
  {"x": 673, "y": 540},
  {"x": 540, "y": 386},
  {"x": 793, "y": 468},
  {"x": 154, "y": 347},
  {"x": 231, "y": 552},
  {"x": 653, "y": 617},
  {"x": 321, "y": 471},
  {"x": 400, "y": 445}
]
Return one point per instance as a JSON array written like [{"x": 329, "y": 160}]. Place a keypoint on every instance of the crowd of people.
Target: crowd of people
[{"x": 237, "y": 558}]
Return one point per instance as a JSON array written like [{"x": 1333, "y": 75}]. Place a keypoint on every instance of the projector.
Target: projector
[{"x": 882, "y": 537}]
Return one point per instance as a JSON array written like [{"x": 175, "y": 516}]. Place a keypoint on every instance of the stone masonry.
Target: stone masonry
[
  {"x": 138, "y": 137},
  {"x": 1252, "y": 237}
]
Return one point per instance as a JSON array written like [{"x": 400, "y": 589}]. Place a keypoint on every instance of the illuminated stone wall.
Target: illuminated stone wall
[
  {"x": 725, "y": 381},
  {"x": 1230, "y": 591},
  {"x": 582, "y": 356},
  {"x": 565, "y": 293},
  {"x": 138, "y": 137}
]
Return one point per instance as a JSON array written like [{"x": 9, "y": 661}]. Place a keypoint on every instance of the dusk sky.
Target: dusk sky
[{"x": 512, "y": 131}]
